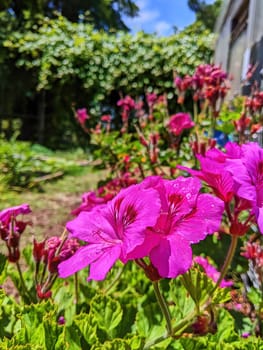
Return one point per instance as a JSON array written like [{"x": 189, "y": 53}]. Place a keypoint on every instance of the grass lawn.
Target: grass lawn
[{"x": 52, "y": 206}]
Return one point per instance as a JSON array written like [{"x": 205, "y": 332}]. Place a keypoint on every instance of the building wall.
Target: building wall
[{"x": 235, "y": 55}]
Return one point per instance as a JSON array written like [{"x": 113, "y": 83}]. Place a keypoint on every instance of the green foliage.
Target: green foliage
[
  {"x": 23, "y": 166},
  {"x": 206, "y": 13},
  {"x": 71, "y": 63},
  {"x": 101, "y": 13},
  {"x": 60, "y": 50},
  {"x": 118, "y": 314}
]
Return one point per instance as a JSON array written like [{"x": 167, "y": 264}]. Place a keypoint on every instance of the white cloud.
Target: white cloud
[
  {"x": 147, "y": 16},
  {"x": 162, "y": 28}
]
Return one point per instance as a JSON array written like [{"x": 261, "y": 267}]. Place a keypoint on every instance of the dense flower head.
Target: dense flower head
[
  {"x": 11, "y": 229},
  {"x": 105, "y": 192},
  {"x": 247, "y": 174},
  {"x": 82, "y": 115},
  {"x": 208, "y": 82},
  {"x": 106, "y": 118},
  {"x": 154, "y": 218},
  {"x": 151, "y": 99},
  {"x": 89, "y": 201},
  {"x": 254, "y": 103},
  {"x": 127, "y": 103},
  {"x": 179, "y": 122},
  {"x": 186, "y": 217},
  {"x": 214, "y": 172},
  {"x": 7, "y": 214},
  {"x": 242, "y": 124},
  {"x": 253, "y": 251},
  {"x": 211, "y": 271},
  {"x": 235, "y": 176},
  {"x": 112, "y": 231}
]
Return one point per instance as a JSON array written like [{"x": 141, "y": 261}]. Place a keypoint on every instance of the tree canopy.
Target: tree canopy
[
  {"x": 206, "y": 13},
  {"x": 102, "y": 14}
]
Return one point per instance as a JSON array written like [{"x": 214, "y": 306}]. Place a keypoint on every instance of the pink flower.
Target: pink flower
[
  {"x": 127, "y": 103},
  {"x": 11, "y": 229},
  {"x": 186, "y": 217},
  {"x": 112, "y": 231},
  {"x": 151, "y": 99},
  {"x": 89, "y": 201},
  {"x": 179, "y": 122},
  {"x": 211, "y": 271},
  {"x": 82, "y": 115},
  {"x": 106, "y": 118},
  {"x": 214, "y": 172},
  {"x": 247, "y": 173},
  {"x": 7, "y": 214}
]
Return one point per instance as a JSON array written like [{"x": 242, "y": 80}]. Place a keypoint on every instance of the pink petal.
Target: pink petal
[
  {"x": 81, "y": 259},
  {"x": 6, "y": 214},
  {"x": 92, "y": 226},
  {"x": 138, "y": 210},
  {"x": 205, "y": 219},
  {"x": 172, "y": 257},
  {"x": 143, "y": 250},
  {"x": 260, "y": 219},
  {"x": 100, "y": 267}
]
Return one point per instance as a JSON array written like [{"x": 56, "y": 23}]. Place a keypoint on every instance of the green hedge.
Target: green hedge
[{"x": 91, "y": 67}]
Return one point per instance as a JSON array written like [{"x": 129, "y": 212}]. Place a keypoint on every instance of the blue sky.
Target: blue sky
[{"x": 161, "y": 15}]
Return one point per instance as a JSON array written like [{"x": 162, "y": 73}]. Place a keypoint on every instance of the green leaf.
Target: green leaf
[
  {"x": 107, "y": 311},
  {"x": 88, "y": 327},
  {"x": 149, "y": 322}
]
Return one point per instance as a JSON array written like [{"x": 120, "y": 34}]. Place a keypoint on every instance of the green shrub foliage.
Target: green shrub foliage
[{"x": 73, "y": 63}]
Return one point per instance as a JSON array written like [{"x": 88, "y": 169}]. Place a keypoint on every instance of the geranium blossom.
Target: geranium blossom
[
  {"x": 11, "y": 229},
  {"x": 186, "y": 217},
  {"x": 179, "y": 122},
  {"x": 247, "y": 172},
  {"x": 89, "y": 201},
  {"x": 82, "y": 115},
  {"x": 7, "y": 214},
  {"x": 214, "y": 171},
  {"x": 112, "y": 231}
]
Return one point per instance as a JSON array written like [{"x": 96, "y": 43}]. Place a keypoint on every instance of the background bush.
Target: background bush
[{"x": 56, "y": 63}]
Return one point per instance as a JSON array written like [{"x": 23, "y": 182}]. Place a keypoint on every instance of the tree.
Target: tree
[
  {"x": 206, "y": 13},
  {"x": 103, "y": 14}
]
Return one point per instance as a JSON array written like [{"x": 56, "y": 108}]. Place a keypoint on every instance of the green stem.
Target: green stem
[
  {"x": 164, "y": 307},
  {"x": 76, "y": 288},
  {"x": 115, "y": 280},
  {"x": 154, "y": 342},
  {"x": 23, "y": 285},
  {"x": 228, "y": 260}
]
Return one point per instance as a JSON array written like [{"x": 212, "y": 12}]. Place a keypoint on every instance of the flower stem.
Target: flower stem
[
  {"x": 154, "y": 342},
  {"x": 23, "y": 285},
  {"x": 228, "y": 260},
  {"x": 76, "y": 289},
  {"x": 115, "y": 280},
  {"x": 164, "y": 307}
]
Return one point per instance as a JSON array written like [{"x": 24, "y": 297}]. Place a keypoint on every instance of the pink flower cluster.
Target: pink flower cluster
[
  {"x": 208, "y": 82},
  {"x": 235, "y": 175},
  {"x": 11, "y": 229},
  {"x": 104, "y": 193},
  {"x": 82, "y": 115},
  {"x": 127, "y": 104},
  {"x": 50, "y": 253},
  {"x": 157, "y": 218},
  {"x": 180, "y": 122},
  {"x": 254, "y": 103},
  {"x": 253, "y": 251}
]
